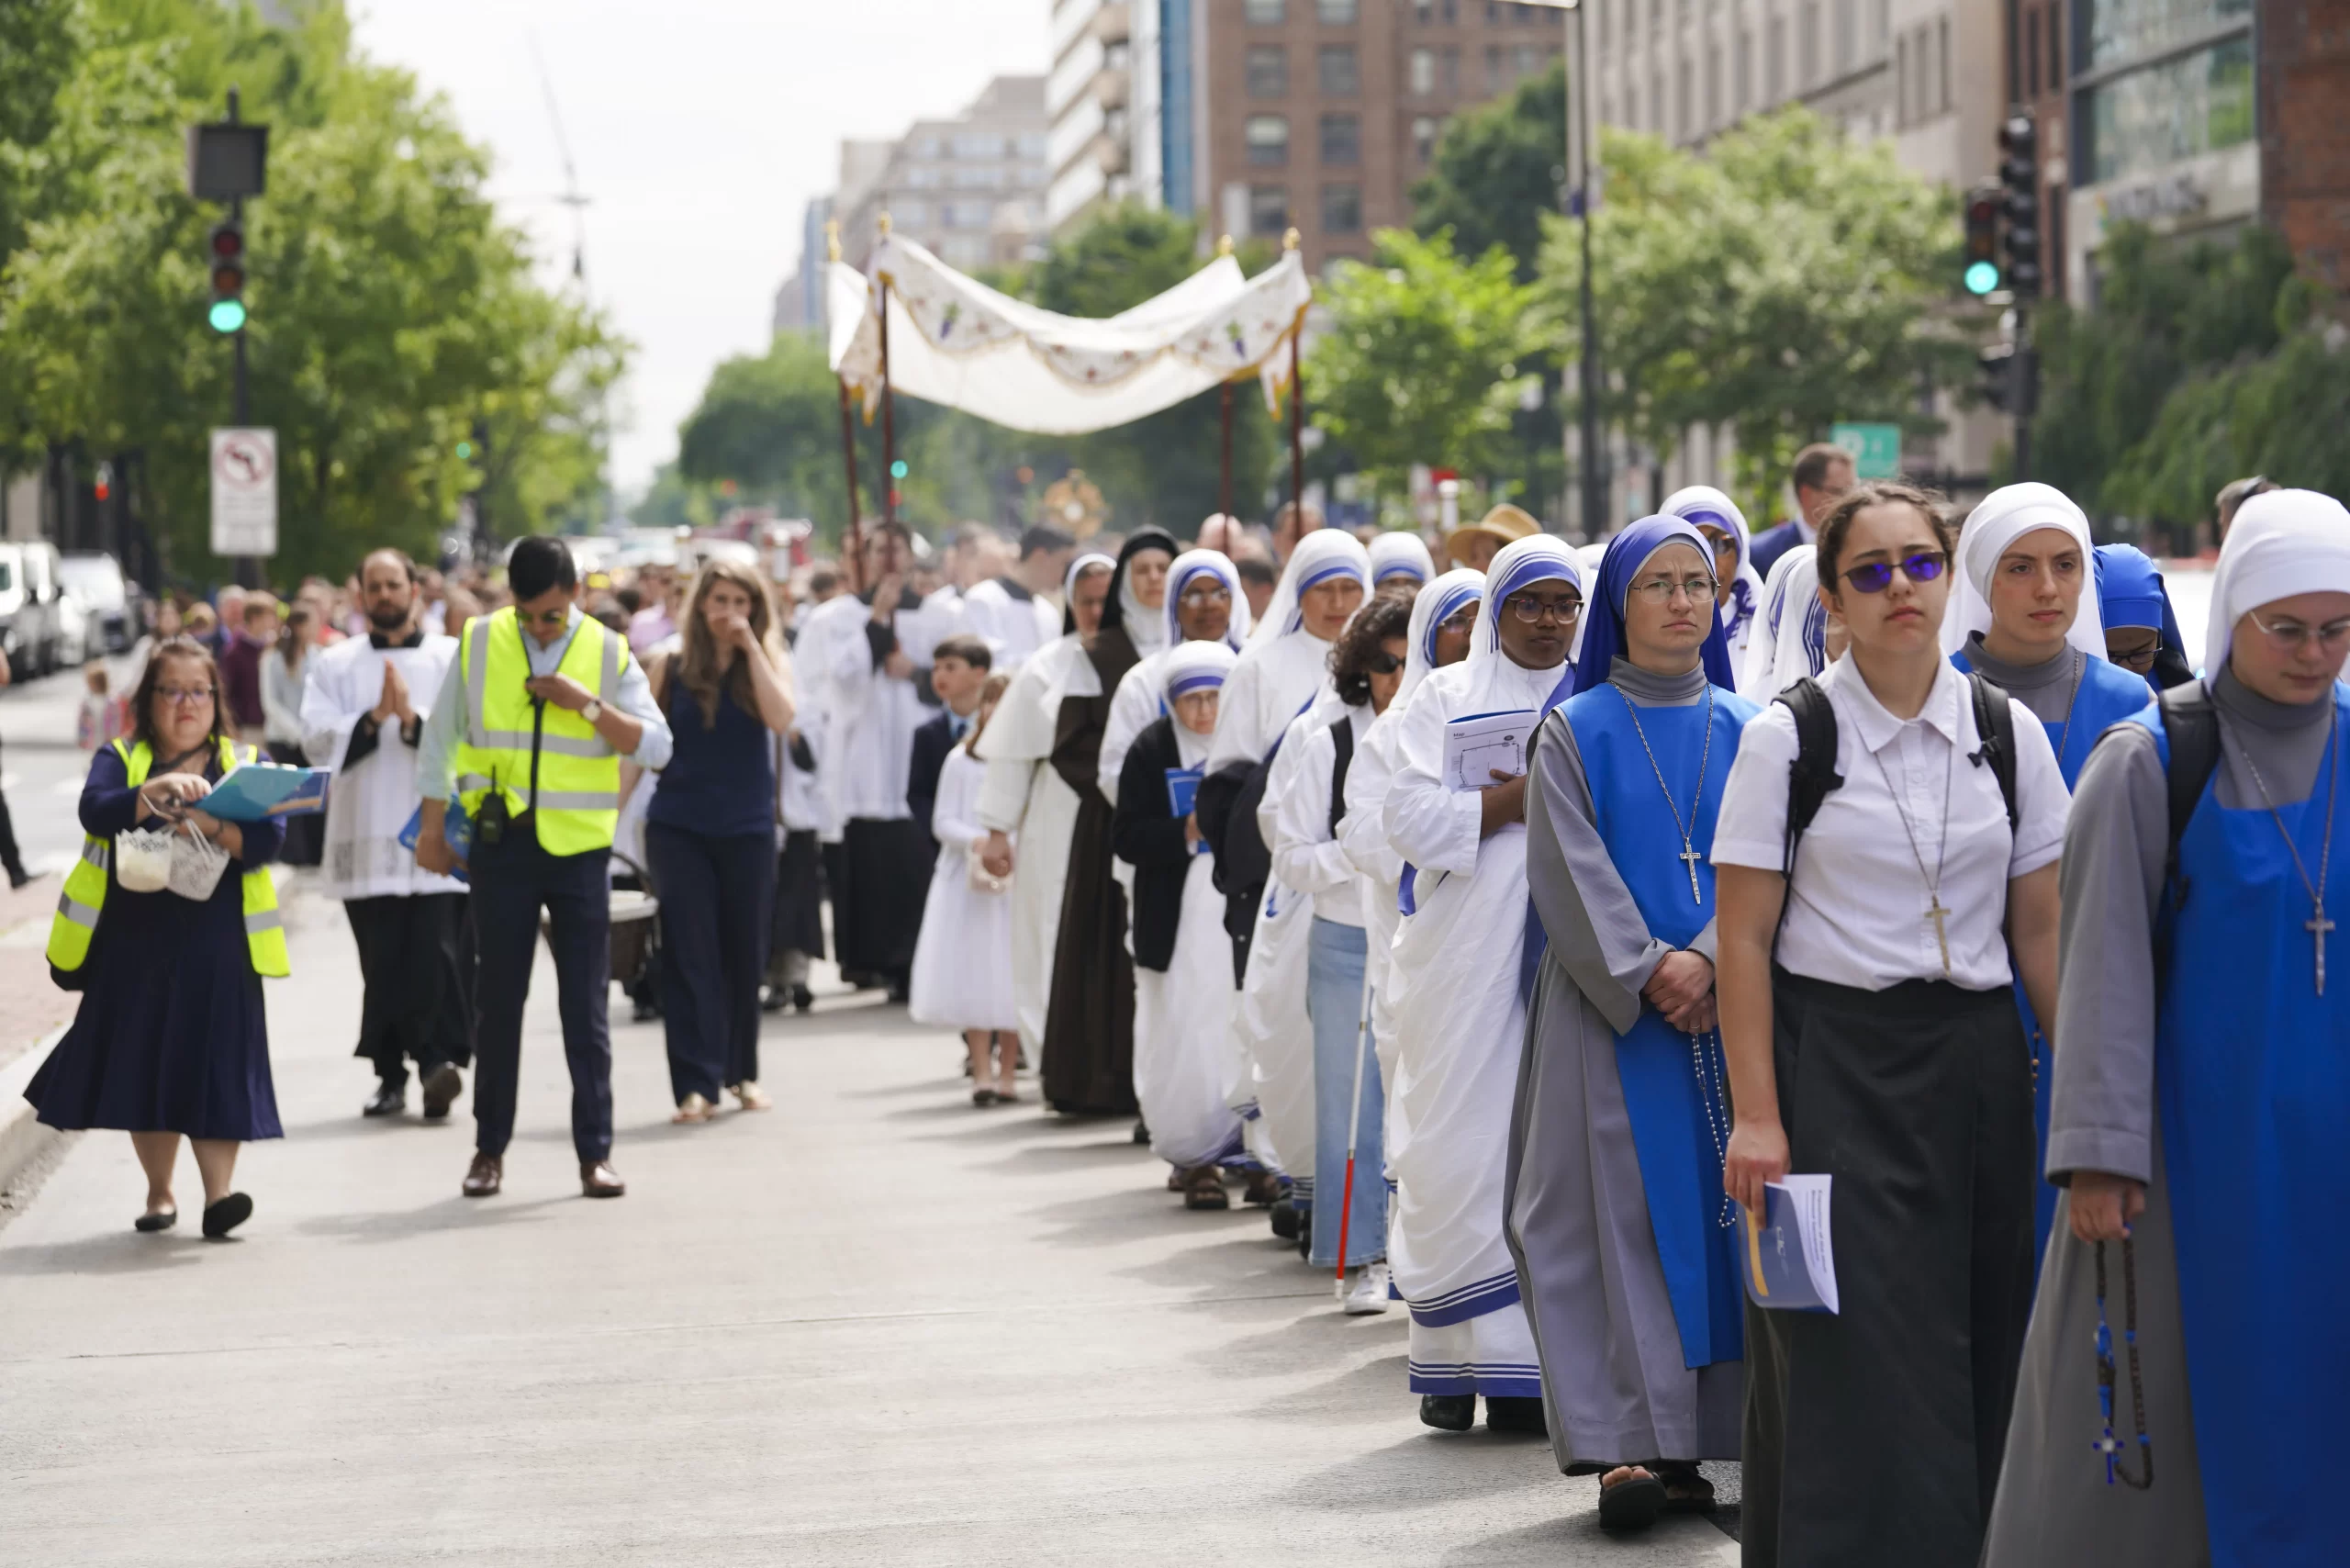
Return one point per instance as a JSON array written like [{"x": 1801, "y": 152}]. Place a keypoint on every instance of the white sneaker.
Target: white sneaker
[{"x": 1370, "y": 1294}]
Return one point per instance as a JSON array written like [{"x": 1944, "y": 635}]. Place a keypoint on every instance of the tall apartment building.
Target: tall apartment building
[
  {"x": 1258, "y": 116},
  {"x": 971, "y": 188},
  {"x": 1086, "y": 97},
  {"x": 800, "y": 303}
]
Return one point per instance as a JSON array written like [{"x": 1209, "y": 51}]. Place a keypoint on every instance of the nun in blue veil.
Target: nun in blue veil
[
  {"x": 2141, "y": 631},
  {"x": 1615, "y": 1209}
]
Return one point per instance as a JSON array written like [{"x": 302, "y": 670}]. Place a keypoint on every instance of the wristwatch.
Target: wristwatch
[{"x": 594, "y": 710}]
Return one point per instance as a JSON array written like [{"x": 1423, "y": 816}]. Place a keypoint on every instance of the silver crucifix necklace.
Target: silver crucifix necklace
[
  {"x": 1934, "y": 910},
  {"x": 1688, "y": 830},
  {"x": 2317, "y": 925}
]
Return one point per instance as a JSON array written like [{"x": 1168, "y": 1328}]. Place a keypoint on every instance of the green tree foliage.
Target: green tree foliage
[
  {"x": 1420, "y": 361},
  {"x": 1497, "y": 171},
  {"x": 1789, "y": 278},
  {"x": 390, "y": 309}
]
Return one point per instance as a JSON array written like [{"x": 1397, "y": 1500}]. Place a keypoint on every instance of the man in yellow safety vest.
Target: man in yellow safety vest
[{"x": 539, "y": 707}]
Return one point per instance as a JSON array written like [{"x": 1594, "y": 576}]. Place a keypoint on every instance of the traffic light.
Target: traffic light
[
  {"x": 226, "y": 252},
  {"x": 2019, "y": 176},
  {"x": 1982, "y": 265},
  {"x": 2010, "y": 379}
]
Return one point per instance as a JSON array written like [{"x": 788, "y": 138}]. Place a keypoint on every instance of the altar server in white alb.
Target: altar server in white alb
[
  {"x": 363, "y": 709},
  {"x": 1015, "y": 614},
  {"x": 1461, "y": 976}
]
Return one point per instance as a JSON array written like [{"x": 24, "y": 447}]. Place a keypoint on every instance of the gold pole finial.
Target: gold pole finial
[
  {"x": 1288, "y": 239},
  {"x": 884, "y": 224},
  {"x": 832, "y": 238},
  {"x": 1224, "y": 246}
]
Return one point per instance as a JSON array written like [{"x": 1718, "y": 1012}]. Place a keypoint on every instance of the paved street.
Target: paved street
[{"x": 873, "y": 1325}]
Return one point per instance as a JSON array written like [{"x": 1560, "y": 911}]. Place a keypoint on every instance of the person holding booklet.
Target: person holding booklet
[
  {"x": 1460, "y": 980},
  {"x": 1616, "y": 1214},
  {"x": 1301, "y": 820},
  {"x": 2199, "y": 1103},
  {"x": 1203, "y": 603},
  {"x": 1886, "y": 861},
  {"x": 962, "y": 974},
  {"x": 1183, "y": 962}
]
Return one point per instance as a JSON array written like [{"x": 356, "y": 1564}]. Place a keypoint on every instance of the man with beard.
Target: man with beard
[{"x": 363, "y": 712}]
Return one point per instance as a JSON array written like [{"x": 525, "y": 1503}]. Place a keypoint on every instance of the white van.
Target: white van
[{"x": 31, "y": 587}]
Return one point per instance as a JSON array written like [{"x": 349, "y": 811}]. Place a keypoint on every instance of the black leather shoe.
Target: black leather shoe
[
  {"x": 441, "y": 1087},
  {"x": 1142, "y": 1134},
  {"x": 1285, "y": 1219},
  {"x": 19, "y": 876},
  {"x": 599, "y": 1180},
  {"x": 226, "y": 1216},
  {"x": 1448, "y": 1412},
  {"x": 485, "y": 1176},
  {"x": 390, "y": 1100},
  {"x": 1516, "y": 1414},
  {"x": 802, "y": 999}
]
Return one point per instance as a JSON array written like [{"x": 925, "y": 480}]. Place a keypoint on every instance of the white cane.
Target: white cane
[{"x": 1354, "y": 1126}]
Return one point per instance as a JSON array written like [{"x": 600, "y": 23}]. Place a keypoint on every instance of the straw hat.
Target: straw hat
[{"x": 1505, "y": 525}]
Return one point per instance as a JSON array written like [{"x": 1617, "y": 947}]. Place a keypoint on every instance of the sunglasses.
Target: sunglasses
[
  {"x": 1383, "y": 663},
  {"x": 1877, "y": 576}
]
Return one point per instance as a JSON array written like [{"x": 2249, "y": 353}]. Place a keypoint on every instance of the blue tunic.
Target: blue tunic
[
  {"x": 2108, "y": 696},
  {"x": 2253, "y": 1084},
  {"x": 1679, "y": 1123}
]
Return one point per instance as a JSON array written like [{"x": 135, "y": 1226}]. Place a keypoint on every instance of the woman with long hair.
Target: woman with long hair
[
  {"x": 172, "y": 1040},
  {"x": 709, "y": 835}
]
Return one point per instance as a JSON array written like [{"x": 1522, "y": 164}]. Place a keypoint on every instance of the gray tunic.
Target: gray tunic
[
  {"x": 2047, "y": 688},
  {"x": 1614, "y": 1382},
  {"x": 2053, "y": 1508}
]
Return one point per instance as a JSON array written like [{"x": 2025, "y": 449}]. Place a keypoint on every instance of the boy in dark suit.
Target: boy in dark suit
[{"x": 958, "y": 668}]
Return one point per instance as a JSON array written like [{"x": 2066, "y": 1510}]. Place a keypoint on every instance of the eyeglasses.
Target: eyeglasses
[
  {"x": 1206, "y": 594},
  {"x": 184, "y": 696},
  {"x": 1462, "y": 620},
  {"x": 2292, "y": 637},
  {"x": 2137, "y": 661},
  {"x": 1877, "y": 576},
  {"x": 1657, "y": 590},
  {"x": 1531, "y": 610},
  {"x": 1383, "y": 663}
]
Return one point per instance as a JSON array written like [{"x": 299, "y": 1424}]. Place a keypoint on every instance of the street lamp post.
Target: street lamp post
[{"x": 1590, "y": 464}]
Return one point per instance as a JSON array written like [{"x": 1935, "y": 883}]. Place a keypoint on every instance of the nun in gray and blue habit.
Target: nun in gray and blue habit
[{"x": 1615, "y": 1208}]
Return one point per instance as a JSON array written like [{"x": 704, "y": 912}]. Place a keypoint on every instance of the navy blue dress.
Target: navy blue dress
[{"x": 172, "y": 1036}]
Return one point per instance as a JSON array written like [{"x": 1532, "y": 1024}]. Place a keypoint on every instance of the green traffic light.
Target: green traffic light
[
  {"x": 227, "y": 316},
  {"x": 898, "y": 469},
  {"x": 465, "y": 450},
  {"x": 1982, "y": 277}
]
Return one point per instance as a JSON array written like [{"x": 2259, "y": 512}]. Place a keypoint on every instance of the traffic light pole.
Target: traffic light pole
[
  {"x": 1589, "y": 467},
  {"x": 248, "y": 566},
  {"x": 2022, "y": 394}
]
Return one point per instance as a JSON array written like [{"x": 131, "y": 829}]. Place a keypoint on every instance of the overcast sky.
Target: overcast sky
[{"x": 699, "y": 128}]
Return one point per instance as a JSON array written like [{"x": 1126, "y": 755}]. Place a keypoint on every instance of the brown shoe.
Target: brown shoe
[
  {"x": 485, "y": 1176},
  {"x": 1204, "y": 1189},
  {"x": 599, "y": 1180}
]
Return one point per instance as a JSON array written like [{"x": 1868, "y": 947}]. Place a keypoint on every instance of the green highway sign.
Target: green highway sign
[{"x": 1875, "y": 449}]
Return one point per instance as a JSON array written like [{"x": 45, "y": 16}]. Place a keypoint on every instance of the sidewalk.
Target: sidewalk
[{"x": 874, "y": 1326}]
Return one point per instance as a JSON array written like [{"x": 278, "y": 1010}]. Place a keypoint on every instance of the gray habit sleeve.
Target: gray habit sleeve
[{"x": 1595, "y": 928}]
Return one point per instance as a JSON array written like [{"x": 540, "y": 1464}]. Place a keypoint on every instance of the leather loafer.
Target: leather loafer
[
  {"x": 389, "y": 1100},
  {"x": 485, "y": 1176},
  {"x": 441, "y": 1087},
  {"x": 599, "y": 1180}
]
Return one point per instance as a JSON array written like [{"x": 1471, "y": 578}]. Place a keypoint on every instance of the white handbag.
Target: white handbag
[
  {"x": 197, "y": 865},
  {"x": 142, "y": 859},
  {"x": 982, "y": 880}
]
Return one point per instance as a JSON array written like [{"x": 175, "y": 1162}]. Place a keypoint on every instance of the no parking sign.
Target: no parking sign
[{"x": 244, "y": 492}]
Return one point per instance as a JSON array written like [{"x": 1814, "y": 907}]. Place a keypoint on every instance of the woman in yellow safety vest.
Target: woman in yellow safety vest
[{"x": 172, "y": 1040}]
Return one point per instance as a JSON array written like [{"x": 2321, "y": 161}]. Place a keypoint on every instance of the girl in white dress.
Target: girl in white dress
[{"x": 962, "y": 970}]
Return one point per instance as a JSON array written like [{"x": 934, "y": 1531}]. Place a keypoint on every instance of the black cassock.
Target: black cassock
[{"x": 1089, "y": 1052}]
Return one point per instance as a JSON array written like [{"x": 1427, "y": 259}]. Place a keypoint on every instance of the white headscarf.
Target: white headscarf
[
  {"x": 1187, "y": 667},
  {"x": 1790, "y": 636},
  {"x": 1078, "y": 567},
  {"x": 1437, "y": 603},
  {"x": 1144, "y": 626},
  {"x": 1324, "y": 553},
  {"x": 1588, "y": 558},
  {"x": 1196, "y": 564},
  {"x": 1495, "y": 682},
  {"x": 2282, "y": 542},
  {"x": 1399, "y": 553},
  {"x": 1741, "y": 599},
  {"x": 2006, "y": 515}
]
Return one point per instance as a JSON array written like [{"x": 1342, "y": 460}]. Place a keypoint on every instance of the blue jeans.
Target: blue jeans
[{"x": 1334, "y": 1001}]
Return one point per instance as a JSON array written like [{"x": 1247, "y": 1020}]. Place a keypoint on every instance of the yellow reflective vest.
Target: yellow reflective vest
[
  {"x": 76, "y": 922},
  {"x": 575, "y": 799}
]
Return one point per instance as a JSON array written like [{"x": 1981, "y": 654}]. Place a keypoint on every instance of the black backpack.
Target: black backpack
[
  {"x": 2191, "y": 728},
  {"x": 1812, "y": 776}
]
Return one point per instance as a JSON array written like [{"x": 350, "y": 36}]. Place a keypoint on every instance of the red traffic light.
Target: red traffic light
[{"x": 228, "y": 244}]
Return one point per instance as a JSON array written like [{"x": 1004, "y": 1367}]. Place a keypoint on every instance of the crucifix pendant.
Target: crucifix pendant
[
  {"x": 1941, "y": 936},
  {"x": 1689, "y": 858},
  {"x": 2317, "y": 925}
]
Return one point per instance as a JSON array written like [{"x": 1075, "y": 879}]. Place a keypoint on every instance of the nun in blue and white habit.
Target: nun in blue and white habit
[
  {"x": 1716, "y": 517},
  {"x": 1616, "y": 1214}
]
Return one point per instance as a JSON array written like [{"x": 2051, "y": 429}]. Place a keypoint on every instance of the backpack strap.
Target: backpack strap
[
  {"x": 1995, "y": 727},
  {"x": 1342, "y": 742},
  {"x": 1812, "y": 776},
  {"x": 2191, "y": 733}
]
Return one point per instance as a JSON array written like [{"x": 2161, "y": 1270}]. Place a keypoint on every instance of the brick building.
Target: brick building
[{"x": 2303, "y": 100}]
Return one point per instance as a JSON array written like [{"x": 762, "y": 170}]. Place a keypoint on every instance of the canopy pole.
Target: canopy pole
[
  {"x": 1223, "y": 480},
  {"x": 889, "y": 422},
  {"x": 1296, "y": 405},
  {"x": 853, "y": 541}
]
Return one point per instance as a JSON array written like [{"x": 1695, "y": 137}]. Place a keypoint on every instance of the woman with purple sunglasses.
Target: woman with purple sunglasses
[{"x": 1863, "y": 985}]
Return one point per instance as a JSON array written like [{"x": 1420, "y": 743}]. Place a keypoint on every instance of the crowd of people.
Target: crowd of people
[{"x": 1506, "y": 932}]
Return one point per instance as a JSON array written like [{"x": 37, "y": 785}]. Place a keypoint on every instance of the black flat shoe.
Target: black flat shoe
[
  {"x": 152, "y": 1223},
  {"x": 226, "y": 1216},
  {"x": 1519, "y": 1414},
  {"x": 1631, "y": 1505},
  {"x": 1283, "y": 1214},
  {"x": 390, "y": 1100},
  {"x": 441, "y": 1087},
  {"x": 1450, "y": 1412},
  {"x": 1142, "y": 1134},
  {"x": 803, "y": 998}
]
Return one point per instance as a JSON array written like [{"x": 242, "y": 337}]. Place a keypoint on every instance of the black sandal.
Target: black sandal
[
  {"x": 1686, "y": 1491},
  {"x": 1633, "y": 1503}
]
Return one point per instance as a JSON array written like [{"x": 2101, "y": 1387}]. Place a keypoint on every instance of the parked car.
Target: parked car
[{"x": 95, "y": 584}]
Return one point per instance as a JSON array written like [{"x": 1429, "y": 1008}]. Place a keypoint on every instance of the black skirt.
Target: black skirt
[
  {"x": 1874, "y": 1436},
  {"x": 799, "y": 922},
  {"x": 876, "y": 905}
]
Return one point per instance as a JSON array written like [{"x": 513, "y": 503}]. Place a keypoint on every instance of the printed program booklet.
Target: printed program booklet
[
  {"x": 1478, "y": 746},
  {"x": 1786, "y": 1255},
  {"x": 1183, "y": 791},
  {"x": 261, "y": 790}
]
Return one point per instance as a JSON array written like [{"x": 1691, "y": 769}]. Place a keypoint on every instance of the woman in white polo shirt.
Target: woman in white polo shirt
[{"x": 1870, "y": 1035}]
